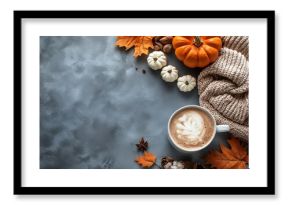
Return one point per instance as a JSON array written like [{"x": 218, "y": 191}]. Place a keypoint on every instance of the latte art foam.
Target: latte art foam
[{"x": 190, "y": 128}]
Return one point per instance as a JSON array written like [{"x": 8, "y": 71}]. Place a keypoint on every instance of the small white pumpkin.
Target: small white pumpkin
[
  {"x": 169, "y": 73},
  {"x": 157, "y": 60},
  {"x": 186, "y": 83}
]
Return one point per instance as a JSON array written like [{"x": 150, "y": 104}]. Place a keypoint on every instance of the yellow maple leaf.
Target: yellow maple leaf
[
  {"x": 140, "y": 43},
  {"x": 146, "y": 160},
  {"x": 235, "y": 157}
]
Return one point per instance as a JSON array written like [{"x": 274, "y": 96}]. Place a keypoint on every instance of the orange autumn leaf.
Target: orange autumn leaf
[
  {"x": 235, "y": 157},
  {"x": 140, "y": 43},
  {"x": 146, "y": 160}
]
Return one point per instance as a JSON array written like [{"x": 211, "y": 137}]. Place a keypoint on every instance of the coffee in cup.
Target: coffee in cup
[{"x": 191, "y": 128}]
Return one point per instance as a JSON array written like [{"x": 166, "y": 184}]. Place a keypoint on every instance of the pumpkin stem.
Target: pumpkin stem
[
  {"x": 155, "y": 59},
  {"x": 197, "y": 41}
]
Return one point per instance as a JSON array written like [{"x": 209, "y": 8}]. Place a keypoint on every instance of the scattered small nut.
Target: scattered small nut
[
  {"x": 167, "y": 48},
  {"x": 157, "y": 48},
  {"x": 159, "y": 44},
  {"x": 166, "y": 40},
  {"x": 157, "y": 38}
]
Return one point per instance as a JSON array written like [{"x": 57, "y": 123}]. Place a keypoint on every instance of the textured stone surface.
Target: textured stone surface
[{"x": 96, "y": 103}]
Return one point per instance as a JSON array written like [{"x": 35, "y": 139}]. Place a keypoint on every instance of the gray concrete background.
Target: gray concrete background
[{"x": 95, "y": 105}]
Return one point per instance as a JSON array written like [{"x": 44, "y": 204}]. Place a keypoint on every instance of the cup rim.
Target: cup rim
[{"x": 179, "y": 147}]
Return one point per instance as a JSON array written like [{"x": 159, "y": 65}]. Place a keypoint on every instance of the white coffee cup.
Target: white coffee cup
[{"x": 216, "y": 129}]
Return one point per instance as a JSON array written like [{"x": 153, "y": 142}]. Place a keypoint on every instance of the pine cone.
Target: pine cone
[{"x": 165, "y": 160}]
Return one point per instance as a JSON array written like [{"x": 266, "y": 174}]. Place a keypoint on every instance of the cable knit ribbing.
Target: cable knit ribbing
[{"x": 223, "y": 86}]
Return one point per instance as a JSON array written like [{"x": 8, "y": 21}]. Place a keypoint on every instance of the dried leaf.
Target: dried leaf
[
  {"x": 146, "y": 160},
  {"x": 235, "y": 157},
  {"x": 126, "y": 41},
  {"x": 142, "y": 145},
  {"x": 141, "y": 43}
]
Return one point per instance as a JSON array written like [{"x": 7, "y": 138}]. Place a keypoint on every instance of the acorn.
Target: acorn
[
  {"x": 167, "y": 48},
  {"x": 166, "y": 40},
  {"x": 158, "y": 46},
  {"x": 157, "y": 38}
]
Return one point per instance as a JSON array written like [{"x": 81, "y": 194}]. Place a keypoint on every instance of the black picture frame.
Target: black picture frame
[{"x": 268, "y": 190}]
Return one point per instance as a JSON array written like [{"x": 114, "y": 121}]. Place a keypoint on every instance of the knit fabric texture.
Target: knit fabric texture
[{"x": 223, "y": 86}]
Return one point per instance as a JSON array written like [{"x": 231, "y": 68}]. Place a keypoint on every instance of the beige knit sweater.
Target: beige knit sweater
[{"x": 223, "y": 86}]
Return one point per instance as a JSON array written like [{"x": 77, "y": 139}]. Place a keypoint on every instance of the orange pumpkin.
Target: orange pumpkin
[{"x": 197, "y": 51}]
